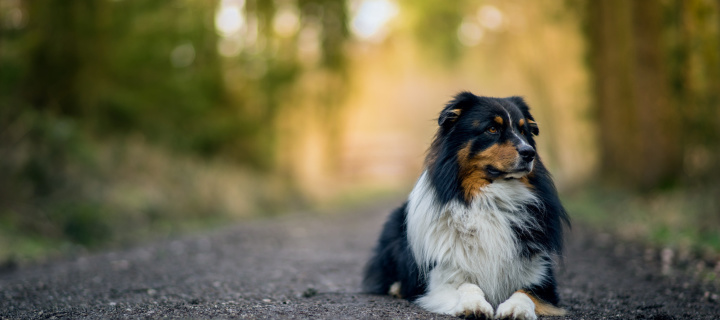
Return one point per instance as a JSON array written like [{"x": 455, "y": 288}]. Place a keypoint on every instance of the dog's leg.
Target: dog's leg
[
  {"x": 524, "y": 305},
  {"x": 472, "y": 302},
  {"x": 544, "y": 297},
  {"x": 447, "y": 297},
  {"x": 518, "y": 307}
]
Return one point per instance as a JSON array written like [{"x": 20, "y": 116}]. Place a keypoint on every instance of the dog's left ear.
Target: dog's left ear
[
  {"x": 454, "y": 108},
  {"x": 520, "y": 103},
  {"x": 533, "y": 127}
]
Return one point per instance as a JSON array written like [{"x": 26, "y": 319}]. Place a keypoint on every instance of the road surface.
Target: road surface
[{"x": 308, "y": 266}]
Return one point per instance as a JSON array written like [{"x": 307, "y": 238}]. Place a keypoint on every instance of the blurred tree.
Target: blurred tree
[
  {"x": 153, "y": 69},
  {"x": 62, "y": 40},
  {"x": 130, "y": 67},
  {"x": 643, "y": 122},
  {"x": 435, "y": 24},
  {"x": 74, "y": 73},
  {"x": 694, "y": 36},
  {"x": 275, "y": 72}
]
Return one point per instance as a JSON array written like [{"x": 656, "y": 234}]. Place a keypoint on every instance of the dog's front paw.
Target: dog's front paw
[
  {"x": 472, "y": 303},
  {"x": 518, "y": 307}
]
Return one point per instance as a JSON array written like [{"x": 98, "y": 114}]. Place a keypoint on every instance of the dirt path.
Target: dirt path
[{"x": 308, "y": 267}]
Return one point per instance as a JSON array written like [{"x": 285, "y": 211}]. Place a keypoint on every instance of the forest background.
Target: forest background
[{"x": 123, "y": 120}]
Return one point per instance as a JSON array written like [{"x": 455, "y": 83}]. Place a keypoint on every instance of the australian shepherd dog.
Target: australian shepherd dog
[{"x": 481, "y": 227}]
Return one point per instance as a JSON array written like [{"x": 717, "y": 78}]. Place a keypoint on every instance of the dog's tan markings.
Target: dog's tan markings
[
  {"x": 476, "y": 123},
  {"x": 504, "y": 157},
  {"x": 472, "y": 172},
  {"x": 499, "y": 120},
  {"x": 526, "y": 179},
  {"x": 544, "y": 308},
  {"x": 521, "y": 122},
  {"x": 526, "y": 182},
  {"x": 473, "y": 168}
]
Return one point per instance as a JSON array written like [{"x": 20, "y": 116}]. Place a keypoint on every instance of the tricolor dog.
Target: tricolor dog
[{"x": 478, "y": 233}]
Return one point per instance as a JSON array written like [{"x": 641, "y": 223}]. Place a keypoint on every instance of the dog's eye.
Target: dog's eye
[{"x": 492, "y": 129}]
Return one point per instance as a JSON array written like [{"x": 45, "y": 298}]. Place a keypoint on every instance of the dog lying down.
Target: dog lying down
[{"x": 478, "y": 233}]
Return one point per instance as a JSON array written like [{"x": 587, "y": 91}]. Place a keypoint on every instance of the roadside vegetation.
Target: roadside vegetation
[
  {"x": 682, "y": 219},
  {"x": 64, "y": 191}
]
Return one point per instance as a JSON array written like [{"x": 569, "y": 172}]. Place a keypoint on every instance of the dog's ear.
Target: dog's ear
[
  {"x": 449, "y": 116},
  {"x": 455, "y": 107},
  {"x": 520, "y": 103},
  {"x": 533, "y": 127}
]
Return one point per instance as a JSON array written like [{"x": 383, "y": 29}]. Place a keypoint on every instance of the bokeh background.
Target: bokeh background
[{"x": 127, "y": 120}]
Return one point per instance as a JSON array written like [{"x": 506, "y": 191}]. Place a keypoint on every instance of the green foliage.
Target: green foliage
[
  {"x": 61, "y": 190},
  {"x": 83, "y": 222},
  {"x": 104, "y": 106},
  {"x": 435, "y": 25},
  {"x": 153, "y": 68},
  {"x": 43, "y": 197},
  {"x": 684, "y": 218},
  {"x": 113, "y": 65}
]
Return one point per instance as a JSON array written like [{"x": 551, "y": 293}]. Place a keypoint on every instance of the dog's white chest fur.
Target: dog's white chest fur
[{"x": 474, "y": 243}]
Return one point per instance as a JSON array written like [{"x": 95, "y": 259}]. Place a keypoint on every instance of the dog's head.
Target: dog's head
[{"x": 484, "y": 139}]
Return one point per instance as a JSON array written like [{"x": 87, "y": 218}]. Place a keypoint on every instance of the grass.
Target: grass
[
  {"x": 62, "y": 191},
  {"x": 687, "y": 219}
]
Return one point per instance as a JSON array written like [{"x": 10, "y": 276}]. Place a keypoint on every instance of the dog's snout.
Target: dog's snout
[{"x": 526, "y": 152}]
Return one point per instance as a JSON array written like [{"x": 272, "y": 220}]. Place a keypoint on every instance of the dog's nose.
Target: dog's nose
[{"x": 526, "y": 152}]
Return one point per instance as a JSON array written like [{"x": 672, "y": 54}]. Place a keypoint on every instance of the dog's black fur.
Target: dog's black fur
[{"x": 468, "y": 122}]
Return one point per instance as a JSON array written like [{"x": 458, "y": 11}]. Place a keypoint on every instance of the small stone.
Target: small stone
[
  {"x": 666, "y": 257},
  {"x": 310, "y": 292}
]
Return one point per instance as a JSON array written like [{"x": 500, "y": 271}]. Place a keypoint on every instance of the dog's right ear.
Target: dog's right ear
[
  {"x": 520, "y": 103},
  {"x": 454, "y": 108}
]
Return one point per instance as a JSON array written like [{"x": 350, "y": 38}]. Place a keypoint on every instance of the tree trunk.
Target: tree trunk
[{"x": 638, "y": 125}]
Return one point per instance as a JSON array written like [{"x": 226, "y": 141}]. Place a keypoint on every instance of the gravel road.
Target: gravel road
[{"x": 308, "y": 266}]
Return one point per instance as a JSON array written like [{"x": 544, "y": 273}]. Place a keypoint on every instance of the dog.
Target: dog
[{"x": 479, "y": 231}]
